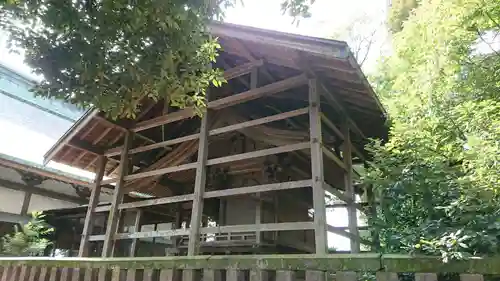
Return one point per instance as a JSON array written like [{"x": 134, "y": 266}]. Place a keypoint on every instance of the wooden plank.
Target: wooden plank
[
  {"x": 148, "y": 274},
  {"x": 387, "y": 276},
  {"x": 337, "y": 193},
  {"x": 6, "y": 271},
  {"x": 24, "y": 273},
  {"x": 43, "y": 274},
  {"x": 102, "y": 274},
  {"x": 64, "y": 274},
  {"x": 471, "y": 277},
  {"x": 115, "y": 274},
  {"x": 340, "y": 107},
  {"x": 426, "y": 277},
  {"x": 93, "y": 201},
  {"x": 313, "y": 275},
  {"x": 41, "y": 191},
  {"x": 32, "y": 273},
  {"x": 137, "y": 228},
  {"x": 252, "y": 94},
  {"x": 53, "y": 274},
  {"x": 75, "y": 275},
  {"x": 161, "y": 171},
  {"x": 349, "y": 189},
  {"x": 26, "y": 203},
  {"x": 210, "y": 275},
  {"x": 259, "y": 153},
  {"x": 346, "y": 276},
  {"x": 167, "y": 275},
  {"x": 233, "y": 274},
  {"x": 199, "y": 187},
  {"x": 164, "y": 119},
  {"x": 341, "y": 232},
  {"x": 149, "y": 234},
  {"x": 131, "y": 274},
  {"x": 258, "y": 188},
  {"x": 318, "y": 189},
  {"x": 116, "y": 200},
  {"x": 88, "y": 274},
  {"x": 333, "y": 157},
  {"x": 258, "y": 275},
  {"x": 285, "y": 275},
  {"x": 260, "y": 121},
  {"x": 337, "y": 131},
  {"x": 243, "y": 69},
  {"x": 265, "y": 227},
  {"x": 157, "y": 201},
  {"x": 116, "y": 151}
]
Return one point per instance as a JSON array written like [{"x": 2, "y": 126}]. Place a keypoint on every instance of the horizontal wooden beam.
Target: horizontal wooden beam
[
  {"x": 337, "y": 193},
  {"x": 116, "y": 151},
  {"x": 164, "y": 119},
  {"x": 341, "y": 232},
  {"x": 337, "y": 131},
  {"x": 121, "y": 128},
  {"x": 284, "y": 226},
  {"x": 259, "y": 153},
  {"x": 256, "y": 93},
  {"x": 156, "y": 201},
  {"x": 243, "y": 69},
  {"x": 258, "y": 188},
  {"x": 328, "y": 153},
  {"x": 85, "y": 146},
  {"x": 41, "y": 191},
  {"x": 260, "y": 121}
]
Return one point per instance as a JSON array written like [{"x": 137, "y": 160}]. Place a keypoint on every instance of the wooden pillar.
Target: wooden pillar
[
  {"x": 93, "y": 201},
  {"x": 114, "y": 213},
  {"x": 199, "y": 188},
  {"x": 372, "y": 209},
  {"x": 349, "y": 188},
  {"x": 137, "y": 228},
  {"x": 320, "y": 233},
  {"x": 26, "y": 203},
  {"x": 258, "y": 219}
]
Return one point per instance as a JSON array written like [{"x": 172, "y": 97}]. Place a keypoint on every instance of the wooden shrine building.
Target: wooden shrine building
[{"x": 251, "y": 174}]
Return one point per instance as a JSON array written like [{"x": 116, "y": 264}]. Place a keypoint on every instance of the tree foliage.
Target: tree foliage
[
  {"x": 439, "y": 175},
  {"x": 399, "y": 12},
  {"x": 112, "y": 53},
  {"x": 29, "y": 240}
]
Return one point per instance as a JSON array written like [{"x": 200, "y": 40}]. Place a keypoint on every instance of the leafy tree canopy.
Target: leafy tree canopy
[
  {"x": 112, "y": 53},
  {"x": 29, "y": 240},
  {"x": 438, "y": 176}
]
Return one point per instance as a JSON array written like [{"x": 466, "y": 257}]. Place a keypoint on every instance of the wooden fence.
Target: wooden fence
[{"x": 345, "y": 267}]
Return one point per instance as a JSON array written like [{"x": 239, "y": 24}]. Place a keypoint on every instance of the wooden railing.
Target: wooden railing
[{"x": 347, "y": 267}]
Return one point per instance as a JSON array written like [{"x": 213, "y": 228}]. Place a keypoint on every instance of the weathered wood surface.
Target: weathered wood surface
[{"x": 345, "y": 267}]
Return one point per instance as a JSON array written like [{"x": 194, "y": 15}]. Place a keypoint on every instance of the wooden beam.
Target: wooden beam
[
  {"x": 260, "y": 121},
  {"x": 164, "y": 119},
  {"x": 372, "y": 210},
  {"x": 337, "y": 193},
  {"x": 85, "y": 146},
  {"x": 93, "y": 201},
  {"x": 26, "y": 203},
  {"x": 333, "y": 157},
  {"x": 317, "y": 169},
  {"x": 137, "y": 228},
  {"x": 259, "y": 153},
  {"x": 161, "y": 171},
  {"x": 122, "y": 128},
  {"x": 114, "y": 213},
  {"x": 116, "y": 151},
  {"x": 157, "y": 201},
  {"x": 264, "y": 227},
  {"x": 41, "y": 191},
  {"x": 199, "y": 187},
  {"x": 258, "y": 188},
  {"x": 243, "y": 69},
  {"x": 349, "y": 188},
  {"x": 340, "y": 107},
  {"x": 252, "y": 94},
  {"x": 337, "y": 131}
]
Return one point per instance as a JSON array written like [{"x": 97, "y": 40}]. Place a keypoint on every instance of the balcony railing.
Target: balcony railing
[{"x": 347, "y": 267}]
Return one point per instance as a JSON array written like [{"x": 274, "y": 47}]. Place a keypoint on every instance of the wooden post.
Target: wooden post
[
  {"x": 93, "y": 201},
  {"x": 114, "y": 213},
  {"x": 258, "y": 218},
  {"x": 349, "y": 188},
  {"x": 372, "y": 209},
  {"x": 26, "y": 203},
  {"x": 320, "y": 233},
  {"x": 137, "y": 228},
  {"x": 199, "y": 187}
]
